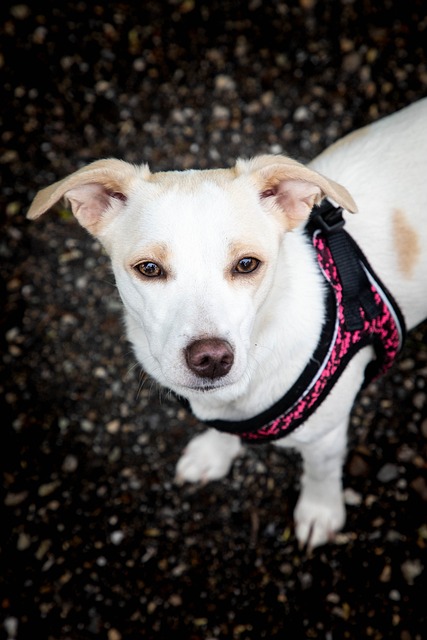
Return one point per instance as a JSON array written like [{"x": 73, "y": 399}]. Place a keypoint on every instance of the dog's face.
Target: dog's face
[
  {"x": 195, "y": 255},
  {"x": 193, "y": 264}
]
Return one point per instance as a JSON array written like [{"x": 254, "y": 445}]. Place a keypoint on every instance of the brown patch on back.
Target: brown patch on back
[{"x": 406, "y": 243}]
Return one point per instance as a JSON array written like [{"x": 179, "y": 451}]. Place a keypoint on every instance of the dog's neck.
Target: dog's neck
[{"x": 284, "y": 338}]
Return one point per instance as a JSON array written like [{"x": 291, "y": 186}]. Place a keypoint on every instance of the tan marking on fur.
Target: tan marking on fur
[
  {"x": 237, "y": 251},
  {"x": 406, "y": 243},
  {"x": 188, "y": 181},
  {"x": 157, "y": 252}
]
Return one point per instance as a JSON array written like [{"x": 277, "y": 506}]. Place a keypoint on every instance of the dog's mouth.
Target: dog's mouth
[{"x": 205, "y": 387}]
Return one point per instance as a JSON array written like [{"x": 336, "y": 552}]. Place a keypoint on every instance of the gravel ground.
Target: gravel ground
[{"x": 96, "y": 539}]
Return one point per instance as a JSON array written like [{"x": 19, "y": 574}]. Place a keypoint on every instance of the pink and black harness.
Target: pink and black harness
[{"x": 360, "y": 312}]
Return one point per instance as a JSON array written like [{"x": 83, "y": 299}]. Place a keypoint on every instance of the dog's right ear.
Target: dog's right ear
[{"x": 96, "y": 193}]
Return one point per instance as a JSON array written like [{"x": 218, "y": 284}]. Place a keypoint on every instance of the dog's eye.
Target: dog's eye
[
  {"x": 149, "y": 269},
  {"x": 246, "y": 265}
]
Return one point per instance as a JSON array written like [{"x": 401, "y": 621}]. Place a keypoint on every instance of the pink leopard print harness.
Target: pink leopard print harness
[{"x": 360, "y": 311}]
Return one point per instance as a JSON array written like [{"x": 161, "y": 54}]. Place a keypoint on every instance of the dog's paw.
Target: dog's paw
[
  {"x": 208, "y": 456},
  {"x": 316, "y": 523}
]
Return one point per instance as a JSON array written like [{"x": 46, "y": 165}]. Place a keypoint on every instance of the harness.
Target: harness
[{"x": 360, "y": 311}]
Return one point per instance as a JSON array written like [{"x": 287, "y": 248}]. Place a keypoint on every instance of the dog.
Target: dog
[{"x": 226, "y": 297}]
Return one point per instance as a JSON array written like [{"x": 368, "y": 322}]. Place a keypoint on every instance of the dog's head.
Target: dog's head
[{"x": 195, "y": 256}]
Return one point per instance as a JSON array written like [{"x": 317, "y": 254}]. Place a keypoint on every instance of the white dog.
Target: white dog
[{"x": 261, "y": 322}]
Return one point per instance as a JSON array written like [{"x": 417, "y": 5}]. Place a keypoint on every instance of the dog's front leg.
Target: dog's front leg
[
  {"x": 208, "y": 456},
  {"x": 322, "y": 442},
  {"x": 320, "y": 510}
]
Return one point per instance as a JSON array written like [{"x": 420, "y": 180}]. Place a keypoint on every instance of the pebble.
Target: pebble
[
  {"x": 352, "y": 498},
  {"x": 224, "y": 83},
  {"x": 113, "y": 426},
  {"x": 358, "y": 466},
  {"x": 420, "y": 486},
  {"x": 87, "y": 425},
  {"x": 302, "y": 114},
  {"x": 24, "y": 542},
  {"x": 388, "y": 472},
  {"x": 220, "y": 112},
  {"x": 411, "y": 569},
  {"x": 70, "y": 464},
  {"x": 420, "y": 400},
  {"x": 117, "y": 537},
  {"x": 48, "y": 488},
  {"x": 11, "y": 626},
  {"x": 13, "y": 499}
]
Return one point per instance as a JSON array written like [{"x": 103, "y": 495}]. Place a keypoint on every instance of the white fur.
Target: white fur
[{"x": 198, "y": 225}]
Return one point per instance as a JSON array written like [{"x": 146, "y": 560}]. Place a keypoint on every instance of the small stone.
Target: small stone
[
  {"x": 48, "y": 488},
  {"x": 388, "y": 472},
  {"x": 101, "y": 561},
  {"x": 113, "y": 426},
  {"x": 87, "y": 425},
  {"x": 20, "y": 11},
  {"x": 352, "y": 498},
  {"x": 420, "y": 400},
  {"x": 220, "y": 113},
  {"x": 43, "y": 549},
  {"x": 407, "y": 365},
  {"x": 13, "y": 499},
  {"x": 70, "y": 464},
  {"x": 405, "y": 453},
  {"x": 175, "y": 600},
  {"x": 351, "y": 62},
  {"x": 385, "y": 575},
  {"x": 224, "y": 83},
  {"x": 411, "y": 569},
  {"x": 420, "y": 486},
  {"x": 11, "y": 626},
  {"x": 302, "y": 114},
  {"x": 117, "y": 537},
  {"x": 24, "y": 541}
]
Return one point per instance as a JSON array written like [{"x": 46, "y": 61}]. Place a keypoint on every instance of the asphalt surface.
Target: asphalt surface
[{"x": 96, "y": 539}]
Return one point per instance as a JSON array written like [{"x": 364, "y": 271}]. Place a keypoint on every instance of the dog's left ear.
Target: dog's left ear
[{"x": 292, "y": 189}]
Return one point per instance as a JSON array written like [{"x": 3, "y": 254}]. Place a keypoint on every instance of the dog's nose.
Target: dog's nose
[{"x": 209, "y": 358}]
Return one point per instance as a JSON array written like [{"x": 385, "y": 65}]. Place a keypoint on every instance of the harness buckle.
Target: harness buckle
[{"x": 328, "y": 217}]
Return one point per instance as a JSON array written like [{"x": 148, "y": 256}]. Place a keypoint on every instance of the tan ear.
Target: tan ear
[
  {"x": 292, "y": 188},
  {"x": 93, "y": 191}
]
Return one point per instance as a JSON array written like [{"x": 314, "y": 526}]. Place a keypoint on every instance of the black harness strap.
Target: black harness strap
[{"x": 357, "y": 290}]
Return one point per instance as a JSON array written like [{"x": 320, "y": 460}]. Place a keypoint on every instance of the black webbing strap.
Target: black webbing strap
[{"x": 356, "y": 287}]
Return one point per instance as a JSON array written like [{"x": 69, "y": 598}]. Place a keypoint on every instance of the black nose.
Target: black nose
[{"x": 209, "y": 358}]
